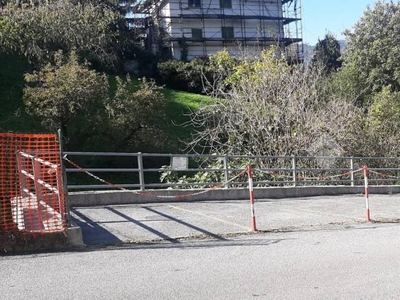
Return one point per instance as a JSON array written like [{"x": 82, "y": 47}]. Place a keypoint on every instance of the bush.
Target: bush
[
  {"x": 185, "y": 76},
  {"x": 172, "y": 74},
  {"x": 70, "y": 96},
  {"x": 65, "y": 95}
]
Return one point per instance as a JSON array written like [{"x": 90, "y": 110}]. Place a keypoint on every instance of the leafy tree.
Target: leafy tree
[
  {"x": 327, "y": 54},
  {"x": 136, "y": 118},
  {"x": 383, "y": 124},
  {"x": 37, "y": 31},
  {"x": 345, "y": 85},
  {"x": 71, "y": 96},
  {"x": 373, "y": 49},
  {"x": 65, "y": 95}
]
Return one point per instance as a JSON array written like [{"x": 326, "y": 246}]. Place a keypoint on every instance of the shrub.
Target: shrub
[{"x": 185, "y": 76}]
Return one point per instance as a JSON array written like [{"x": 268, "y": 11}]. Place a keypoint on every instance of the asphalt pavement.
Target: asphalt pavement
[
  {"x": 360, "y": 261},
  {"x": 177, "y": 221},
  {"x": 306, "y": 248}
]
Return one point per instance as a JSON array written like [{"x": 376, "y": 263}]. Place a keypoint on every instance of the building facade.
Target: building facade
[{"x": 196, "y": 28}]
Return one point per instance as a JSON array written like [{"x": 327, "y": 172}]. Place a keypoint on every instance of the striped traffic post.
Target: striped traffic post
[
  {"x": 253, "y": 216},
  {"x": 368, "y": 213}
]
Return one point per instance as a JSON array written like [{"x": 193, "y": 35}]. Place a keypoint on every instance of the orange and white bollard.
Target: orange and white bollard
[
  {"x": 368, "y": 213},
  {"x": 253, "y": 216}
]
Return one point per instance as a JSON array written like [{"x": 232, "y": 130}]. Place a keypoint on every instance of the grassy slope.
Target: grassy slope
[
  {"x": 13, "y": 116},
  {"x": 12, "y": 113},
  {"x": 178, "y": 106}
]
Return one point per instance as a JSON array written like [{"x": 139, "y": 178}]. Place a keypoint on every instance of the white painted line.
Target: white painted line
[{"x": 210, "y": 217}]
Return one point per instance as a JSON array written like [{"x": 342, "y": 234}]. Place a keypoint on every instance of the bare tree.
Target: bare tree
[{"x": 265, "y": 107}]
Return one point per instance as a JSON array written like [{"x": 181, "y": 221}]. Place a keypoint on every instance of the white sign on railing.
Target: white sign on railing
[{"x": 179, "y": 163}]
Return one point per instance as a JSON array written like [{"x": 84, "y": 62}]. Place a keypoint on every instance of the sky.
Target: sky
[{"x": 334, "y": 16}]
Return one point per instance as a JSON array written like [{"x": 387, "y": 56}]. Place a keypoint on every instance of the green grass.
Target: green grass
[
  {"x": 179, "y": 104},
  {"x": 13, "y": 117}
]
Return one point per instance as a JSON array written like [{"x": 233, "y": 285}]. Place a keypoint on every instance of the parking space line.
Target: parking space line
[
  {"x": 210, "y": 217},
  {"x": 322, "y": 213}
]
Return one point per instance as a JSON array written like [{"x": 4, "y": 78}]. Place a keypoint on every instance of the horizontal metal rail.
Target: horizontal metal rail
[
  {"x": 143, "y": 172},
  {"x": 104, "y": 170}
]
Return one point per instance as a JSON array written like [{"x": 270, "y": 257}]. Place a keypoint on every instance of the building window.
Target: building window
[
  {"x": 225, "y": 3},
  {"x": 197, "y": 33},
  {"x": 194, "y": 3},
  {"x": 227, "y": 32}
]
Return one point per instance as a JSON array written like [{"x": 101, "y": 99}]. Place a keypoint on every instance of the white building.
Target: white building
[{"x": 195, "y": 28}]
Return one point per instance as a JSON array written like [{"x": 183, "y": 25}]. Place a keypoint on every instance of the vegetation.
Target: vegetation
[
  {"x": 37, "y": 31},
  {"x": 372, "y": 49},
  {"x": 14, "y": 117},
  {"x": 181, "y": 75},
  {"x": 70, "y": 96},
  {"x": 260, "y": 105},
  {"x": 94, "y": 109},
  {"x": 178, "y": 108},
  {"x": 327, "y": 54},
  {"x": 65, "y": 94},
  {"x": 198, "y": 75},
  {"x": 271, "y": 108}
]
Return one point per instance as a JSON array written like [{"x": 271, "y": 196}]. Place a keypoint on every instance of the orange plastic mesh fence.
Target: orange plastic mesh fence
[{"x": 31, "y": 190}]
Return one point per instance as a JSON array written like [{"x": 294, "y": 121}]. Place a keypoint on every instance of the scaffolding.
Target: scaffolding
[{"x": 196, "y": 28}]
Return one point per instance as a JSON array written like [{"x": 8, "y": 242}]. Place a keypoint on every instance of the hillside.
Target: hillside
[{"x": 13, "y": 117}]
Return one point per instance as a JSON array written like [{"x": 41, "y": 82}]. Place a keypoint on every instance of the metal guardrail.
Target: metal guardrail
[{"x": 144, "y": 170}]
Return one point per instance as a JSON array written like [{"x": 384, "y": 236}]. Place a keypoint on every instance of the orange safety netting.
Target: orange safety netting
[{"x": 31, "y": 191}]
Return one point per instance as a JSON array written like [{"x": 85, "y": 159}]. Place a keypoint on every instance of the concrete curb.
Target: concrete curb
[
  {"x": 74, "y": 236},
  {"x": 99, "y": 198}
]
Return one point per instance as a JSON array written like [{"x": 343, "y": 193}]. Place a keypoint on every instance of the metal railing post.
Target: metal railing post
[
  {"x": 141, "y": 171},
  {"x": 294, "y": 169},
  {"x": 64, "y": 179},
  {"x": 226, "y": 169},
  {"x": 352, "y": 171}
]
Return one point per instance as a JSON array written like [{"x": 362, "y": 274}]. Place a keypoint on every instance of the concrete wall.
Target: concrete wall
[{"x": 93, "y": 198}]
